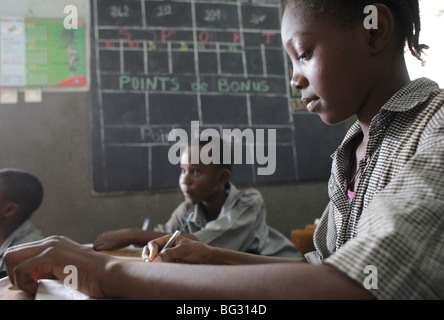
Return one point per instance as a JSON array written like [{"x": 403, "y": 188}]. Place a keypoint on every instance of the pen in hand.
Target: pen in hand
[
  {"x": 176, "y": 234},
  {"x": 170, "y": 241}
]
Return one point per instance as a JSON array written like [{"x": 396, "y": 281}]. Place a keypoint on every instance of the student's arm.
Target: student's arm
[
  {"x": 121, "y": 238},
  {"x": 117, "y": 239},
  {"x": 196, "y": 252},
  {"x": 101, "y": 276}
]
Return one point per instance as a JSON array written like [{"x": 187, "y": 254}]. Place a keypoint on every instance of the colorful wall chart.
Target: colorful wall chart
[{"x": 41, "y": 52}]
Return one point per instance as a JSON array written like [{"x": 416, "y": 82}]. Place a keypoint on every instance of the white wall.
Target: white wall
[{"x": 432, "y": 34}]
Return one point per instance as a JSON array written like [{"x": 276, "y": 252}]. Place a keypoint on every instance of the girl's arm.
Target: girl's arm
[
  {"x": 121, "y": 238},
  {"x": 101, "y": 276},
  {"x": 196, "y": 252}
]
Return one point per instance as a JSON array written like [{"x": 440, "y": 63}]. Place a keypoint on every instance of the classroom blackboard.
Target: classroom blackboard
[{"x": 159, "y": 65}]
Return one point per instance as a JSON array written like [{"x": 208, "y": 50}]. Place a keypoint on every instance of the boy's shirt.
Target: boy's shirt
[
  {"x": 240, "y": 225},
  {"x": 392, "y": 233},
  {"x": 23, "y": 234}
]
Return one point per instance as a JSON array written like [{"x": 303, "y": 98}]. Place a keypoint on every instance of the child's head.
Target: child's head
[
  {"x": 339, "y": 64},
  {"x": 348, "y": 12},
  {"x": 199, "y": 182},
  {"x": 21, "y": 192}
]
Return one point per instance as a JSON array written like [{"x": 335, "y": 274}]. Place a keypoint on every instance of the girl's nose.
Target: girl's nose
[{"x": 298, "y": 81}]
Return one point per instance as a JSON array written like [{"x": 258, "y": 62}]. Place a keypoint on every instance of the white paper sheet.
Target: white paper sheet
[{"x": 55, "y": 290}]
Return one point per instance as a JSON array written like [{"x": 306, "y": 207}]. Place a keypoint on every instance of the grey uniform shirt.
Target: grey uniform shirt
[
  {"x": 393, "y": 230},
  {"x": 26, "y": 232},
  {"x": 240, "y": 225}
]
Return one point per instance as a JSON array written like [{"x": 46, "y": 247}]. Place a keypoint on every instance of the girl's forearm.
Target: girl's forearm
[
  {"x": 232, "y": 257},
  {"x": 269, "y": 281}
]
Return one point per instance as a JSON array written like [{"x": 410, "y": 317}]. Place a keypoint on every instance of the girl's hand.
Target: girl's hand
[
  {"x": 183, "y": 250},
  {"x": 48, "y": 258}
]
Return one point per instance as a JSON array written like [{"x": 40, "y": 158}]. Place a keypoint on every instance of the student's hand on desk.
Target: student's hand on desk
[
  {"x": 47, "y": 258},
  {"x": 112, "y": 240},
  {"x": 184, "y": 250}
]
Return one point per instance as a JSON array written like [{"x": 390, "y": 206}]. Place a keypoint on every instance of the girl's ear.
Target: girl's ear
[{"x": 381, "y": 36}]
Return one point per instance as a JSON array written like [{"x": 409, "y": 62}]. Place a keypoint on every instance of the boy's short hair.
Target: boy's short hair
[
  {"x": 223, "y": 146},
  {"x": 23, "y": 189}
]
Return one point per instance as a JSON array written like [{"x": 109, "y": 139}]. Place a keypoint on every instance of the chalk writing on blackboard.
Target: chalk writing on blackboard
[{"x": 160, "y": 65}]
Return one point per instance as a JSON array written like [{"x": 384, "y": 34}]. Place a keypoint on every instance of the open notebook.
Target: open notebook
[{"x": 50, "y": 289}]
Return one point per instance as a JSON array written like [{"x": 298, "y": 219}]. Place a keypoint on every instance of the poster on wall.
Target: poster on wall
[{"x": 41, "y": 52}]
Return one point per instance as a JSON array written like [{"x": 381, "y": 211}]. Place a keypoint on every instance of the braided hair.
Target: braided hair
[{"x": 405, "y": 12}]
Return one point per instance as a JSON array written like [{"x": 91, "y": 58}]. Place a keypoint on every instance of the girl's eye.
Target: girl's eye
[
  {"x": 305, "y": 55},
  {"x": 196, "y": 172}
]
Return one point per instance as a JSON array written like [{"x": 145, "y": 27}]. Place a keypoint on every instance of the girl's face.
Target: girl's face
[{"x": 331, "y": 65}]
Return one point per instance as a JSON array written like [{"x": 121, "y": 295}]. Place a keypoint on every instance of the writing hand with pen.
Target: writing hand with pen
[
  {"x": 183, "y": 250},
  {"x": 177, "y": 248}
]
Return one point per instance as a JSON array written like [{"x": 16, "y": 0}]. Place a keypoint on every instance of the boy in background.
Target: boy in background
[
  {"x": 224, "y": 216},
  {"x": 20, "y": 195}
]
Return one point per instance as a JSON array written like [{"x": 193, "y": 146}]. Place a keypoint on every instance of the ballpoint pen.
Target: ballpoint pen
[
  {"x": 146, "y": 224},
  {"x": 145, "y": 252},
  {"x": 176, "y": 233}
]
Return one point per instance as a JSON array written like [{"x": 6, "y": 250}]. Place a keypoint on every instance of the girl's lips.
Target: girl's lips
[{"x": 310, "y": 103}]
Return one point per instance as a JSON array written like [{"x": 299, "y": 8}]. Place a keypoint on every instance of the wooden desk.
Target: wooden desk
[
  {"x": 303, "y": 239},
  {"x": 6, "y": 293},
  {"x": 126, "y": 253}
]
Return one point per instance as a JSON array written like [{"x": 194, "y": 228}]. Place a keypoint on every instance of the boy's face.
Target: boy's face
[
  {"x": 331, "y": 65},
  {"x": 198, "y": 182},
  {"x": 5, "y": 205},
  {"x": 3, "y": 202}
]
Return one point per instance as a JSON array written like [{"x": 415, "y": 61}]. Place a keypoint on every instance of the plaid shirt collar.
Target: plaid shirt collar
[
  {"x": 413, "y": 94},
  {"x": 408, "y": 97}
]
